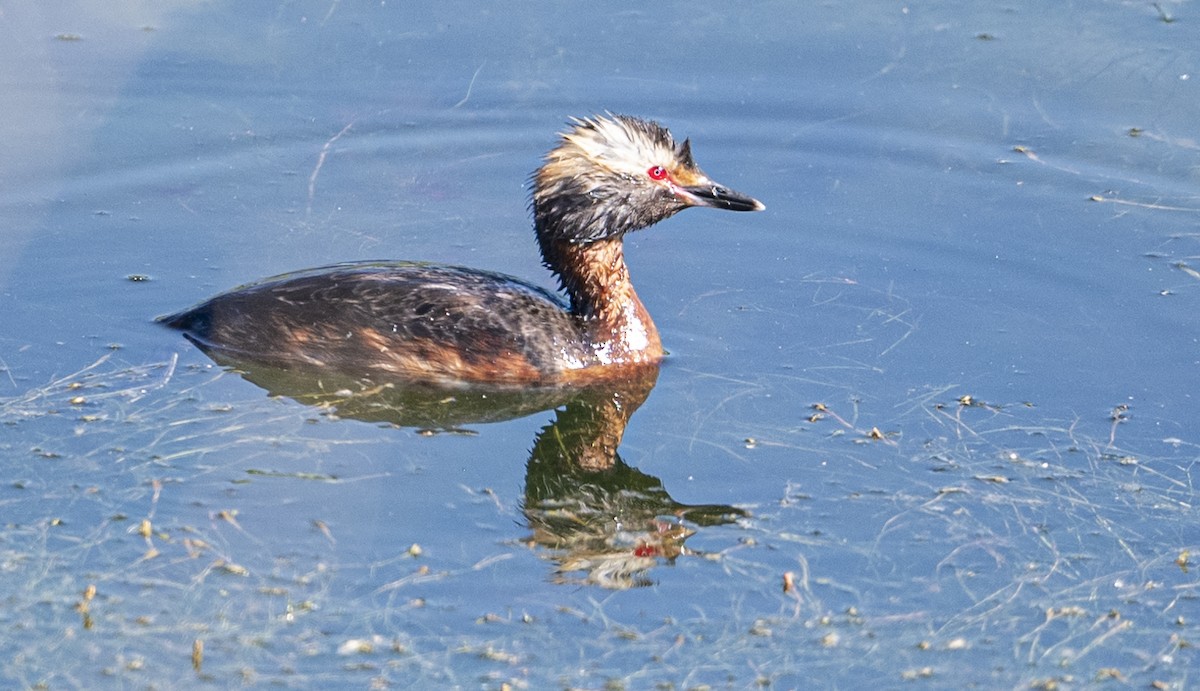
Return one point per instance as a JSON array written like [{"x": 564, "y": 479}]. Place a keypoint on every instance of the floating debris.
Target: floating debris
[{"x": 356, "y": 646}]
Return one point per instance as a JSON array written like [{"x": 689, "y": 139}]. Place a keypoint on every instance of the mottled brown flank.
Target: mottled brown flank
[
  {"x": 301, "y": 336},
  {"x": 415, "y": 321},
  {"x": 426, "y": 359}
]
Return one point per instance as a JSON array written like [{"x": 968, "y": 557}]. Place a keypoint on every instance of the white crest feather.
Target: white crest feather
[{"x": 623, "y": 145}]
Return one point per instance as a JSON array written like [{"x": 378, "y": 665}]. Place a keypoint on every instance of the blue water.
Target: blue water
[{"x": 962, "y": 200}]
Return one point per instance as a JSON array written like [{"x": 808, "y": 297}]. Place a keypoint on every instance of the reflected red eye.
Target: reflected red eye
[
  {"x": 645, "y": 551},
  {"x": 657, "y": 173}
]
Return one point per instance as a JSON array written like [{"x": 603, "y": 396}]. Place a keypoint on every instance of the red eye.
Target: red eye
[{"x": 657, "y": 173}]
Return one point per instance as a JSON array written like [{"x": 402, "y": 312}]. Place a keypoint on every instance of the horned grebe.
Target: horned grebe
[{"x": 445, "y": 324}]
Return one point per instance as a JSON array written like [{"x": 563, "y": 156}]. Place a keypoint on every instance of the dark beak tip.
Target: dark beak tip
[
  {"x": 738, "y": 202},
  {"x": 717, "y": 197}
]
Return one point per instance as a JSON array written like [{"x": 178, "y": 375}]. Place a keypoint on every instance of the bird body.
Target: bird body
[{"x": 453, "y": 325}]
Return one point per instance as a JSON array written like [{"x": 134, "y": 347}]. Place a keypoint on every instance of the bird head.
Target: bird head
[{"x": 610, "y": 175}]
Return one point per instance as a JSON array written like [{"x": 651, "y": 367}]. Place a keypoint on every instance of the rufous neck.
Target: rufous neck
[{"x": 596, "y": 279}]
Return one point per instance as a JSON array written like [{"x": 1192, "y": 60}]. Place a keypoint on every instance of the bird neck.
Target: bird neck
[{"x": 596, "y": 279}]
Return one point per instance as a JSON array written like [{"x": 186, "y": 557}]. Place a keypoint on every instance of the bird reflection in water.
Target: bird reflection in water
[
  {"x": 597, "y": 519},
  {"x": 591, "y": 352}
]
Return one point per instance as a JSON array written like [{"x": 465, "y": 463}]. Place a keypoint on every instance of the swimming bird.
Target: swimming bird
[{"x": 447, "y": 325}]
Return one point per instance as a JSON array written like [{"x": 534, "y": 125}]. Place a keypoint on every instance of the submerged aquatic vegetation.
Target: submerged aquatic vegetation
[{"x": 1053, "y": 555}]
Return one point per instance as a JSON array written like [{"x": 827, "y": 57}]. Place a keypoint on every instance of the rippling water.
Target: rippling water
[{"x": 944, "y": 385}]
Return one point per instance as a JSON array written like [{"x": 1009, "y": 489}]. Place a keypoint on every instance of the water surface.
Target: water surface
[{"x": 946, "y": 381}]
